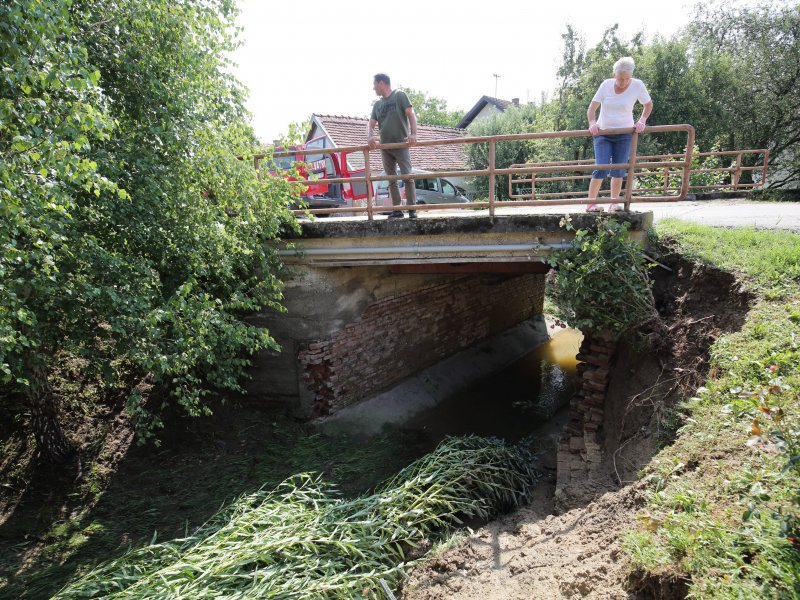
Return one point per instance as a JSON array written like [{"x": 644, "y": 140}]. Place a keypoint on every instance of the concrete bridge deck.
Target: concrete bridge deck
[{"x": 520, "y": 243}]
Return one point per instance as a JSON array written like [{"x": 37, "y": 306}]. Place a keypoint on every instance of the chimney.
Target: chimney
[{"x": 515, "y": 101}]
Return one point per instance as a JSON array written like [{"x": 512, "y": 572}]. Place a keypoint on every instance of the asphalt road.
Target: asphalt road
[
  {"x": 730, "y": 213},
  {"x": 734, "y": 212}
]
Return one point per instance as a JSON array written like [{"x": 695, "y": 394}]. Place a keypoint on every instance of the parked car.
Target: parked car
[
  {"x": 431, "y": 190},
  {"x": 320, "y": 194}
]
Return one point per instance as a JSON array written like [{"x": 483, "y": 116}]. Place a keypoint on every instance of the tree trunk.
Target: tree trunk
[{"x": 50, "y": 439}]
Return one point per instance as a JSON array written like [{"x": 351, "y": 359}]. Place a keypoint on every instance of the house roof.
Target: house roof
[
  {"x": 352, "y": 131},
  {"x": 500, "y": 105}
]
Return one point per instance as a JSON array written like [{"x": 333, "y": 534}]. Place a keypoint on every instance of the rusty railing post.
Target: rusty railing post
[
  {"x": 631, "y": 169},
  {"x": 533, "y": 186},
  {"x": 666, "y": 180},
  {"x": 368, "y": 175},
  {"x": 738, "y": 172},
  {"x": 491, "y": 177},
  {"x": 687, "y": 163}
]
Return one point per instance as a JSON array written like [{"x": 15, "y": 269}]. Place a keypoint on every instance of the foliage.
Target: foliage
[
  {"x": 303, "y": 540},
  {"x": 776, "y": 195},
  {"x": 513, "y": 120},
  {"x": 131, "y": 235},
  {"x": 655, "y": 179},
  {"x": 732, "y": 520},
  {"x": 600, "y": 283},
  {"x": 760, "y": 49},
  {"x": 431, "y": 110}
]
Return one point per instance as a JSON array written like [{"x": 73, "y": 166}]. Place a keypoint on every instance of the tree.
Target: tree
[
  {"x": 513, "y": 120},
  {"x": 431, "y": 110},
  {"x": 760, "y": 49},
  {"x": 132, "y": 236},
  {"x": 734, "y": 74}
]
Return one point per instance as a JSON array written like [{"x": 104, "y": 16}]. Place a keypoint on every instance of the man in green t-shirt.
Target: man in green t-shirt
[{"x": 395, "y": 117}]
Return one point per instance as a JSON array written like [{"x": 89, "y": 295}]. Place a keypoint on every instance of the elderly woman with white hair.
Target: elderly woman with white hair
[{"x": 616, "y": 98}]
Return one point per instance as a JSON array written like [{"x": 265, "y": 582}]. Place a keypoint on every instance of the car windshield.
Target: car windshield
[{"x": 283, "y": 162}]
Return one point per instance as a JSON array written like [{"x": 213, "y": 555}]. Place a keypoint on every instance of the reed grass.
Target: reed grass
[{"x": 303, "y": 540}]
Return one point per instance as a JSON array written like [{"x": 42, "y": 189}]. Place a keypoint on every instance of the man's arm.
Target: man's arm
[
  {"x": 372, "y": 141},
  {"x": 412, "y": 122}
]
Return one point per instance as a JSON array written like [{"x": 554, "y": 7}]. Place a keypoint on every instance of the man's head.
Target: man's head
[{"x": 382, "y": 84}]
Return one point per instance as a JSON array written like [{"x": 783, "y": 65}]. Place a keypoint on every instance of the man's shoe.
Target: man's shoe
[
  {"x": 412, "y": 214},
  {"x": 396, "y": 214}
]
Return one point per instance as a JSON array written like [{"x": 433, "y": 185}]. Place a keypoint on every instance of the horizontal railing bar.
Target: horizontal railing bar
[
  {"x": 666, "y": 166},
  {"x": 511, "y": 137}
]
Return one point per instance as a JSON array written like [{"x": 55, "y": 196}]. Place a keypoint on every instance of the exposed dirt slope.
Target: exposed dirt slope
[{"x": 537, "y": 553}]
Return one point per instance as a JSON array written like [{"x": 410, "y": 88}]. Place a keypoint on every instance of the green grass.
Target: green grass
[
  {"x": 724, "y": 503},
  {"x": 769, "y": 259}
]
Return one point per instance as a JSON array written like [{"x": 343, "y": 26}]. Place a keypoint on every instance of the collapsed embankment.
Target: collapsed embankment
[{"x": 570, "y": 545}]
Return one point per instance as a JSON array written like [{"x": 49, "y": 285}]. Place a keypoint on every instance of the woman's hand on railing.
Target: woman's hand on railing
[{"x": 594, "y": 129}]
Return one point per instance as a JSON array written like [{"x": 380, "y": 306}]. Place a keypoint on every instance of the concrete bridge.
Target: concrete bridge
[{"x": 370, "y": 303}]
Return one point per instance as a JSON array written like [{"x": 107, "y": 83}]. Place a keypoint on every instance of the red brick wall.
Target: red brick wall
[{"x": 401, "y": 335}]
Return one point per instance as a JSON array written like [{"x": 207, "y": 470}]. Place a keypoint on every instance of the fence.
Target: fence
[
  {"x": 659, "y": 179},
  {"x": 678, "y": 164}
]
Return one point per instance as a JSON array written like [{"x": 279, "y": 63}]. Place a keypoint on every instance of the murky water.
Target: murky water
[{"x": 510, "y": 403}]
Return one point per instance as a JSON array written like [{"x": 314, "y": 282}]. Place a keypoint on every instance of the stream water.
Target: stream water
[{"x": 510, "y": 403}]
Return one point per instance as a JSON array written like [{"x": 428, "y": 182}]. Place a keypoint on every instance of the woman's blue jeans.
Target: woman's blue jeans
[{"x": 611, "y": 150}]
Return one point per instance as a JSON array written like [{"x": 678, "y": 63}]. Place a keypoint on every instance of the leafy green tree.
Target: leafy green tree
[
  {"x": 760, "y": 50},
  {"x": 431, "y": 110},
  {"x": 131, "y": 235},
  {"x": 600, "y": 283},
  {"x": 513, "y": 120},
  {"x": 734, "y": 74}
]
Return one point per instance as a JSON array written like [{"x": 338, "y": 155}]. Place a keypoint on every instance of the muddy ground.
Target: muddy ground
[{"x": 572, "y": 548}]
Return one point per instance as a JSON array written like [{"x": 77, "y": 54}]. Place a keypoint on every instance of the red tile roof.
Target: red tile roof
[{"x": 352, "y": 131}]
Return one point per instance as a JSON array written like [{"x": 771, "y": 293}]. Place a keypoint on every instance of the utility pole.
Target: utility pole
[{"x": 496, "y": 77}]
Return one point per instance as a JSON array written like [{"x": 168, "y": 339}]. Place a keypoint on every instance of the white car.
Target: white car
[{"x": 431, "y": 190}]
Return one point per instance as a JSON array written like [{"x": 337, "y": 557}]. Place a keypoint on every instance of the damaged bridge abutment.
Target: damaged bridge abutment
[{"x": 350, "y": 332}]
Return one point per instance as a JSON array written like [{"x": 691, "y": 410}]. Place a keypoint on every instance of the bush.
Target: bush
[{"x": 600, "y": 283}]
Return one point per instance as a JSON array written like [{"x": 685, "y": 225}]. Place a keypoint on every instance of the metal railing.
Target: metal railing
[
  {"x": 666, "y": 174},
  {"x": 681, "y": 162}
]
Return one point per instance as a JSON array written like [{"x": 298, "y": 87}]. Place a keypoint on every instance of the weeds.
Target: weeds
[
  {"x": 602, "y": 269},
  {"x": 302, "y": 540}
]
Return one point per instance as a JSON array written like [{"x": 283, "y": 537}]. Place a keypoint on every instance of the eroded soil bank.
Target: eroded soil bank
[{"x": 571, "y": 548}]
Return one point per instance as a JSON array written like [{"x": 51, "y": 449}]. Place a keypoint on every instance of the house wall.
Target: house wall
[{"x": 486, "y": 112}]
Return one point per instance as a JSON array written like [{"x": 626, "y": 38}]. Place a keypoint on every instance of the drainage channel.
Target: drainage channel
[{"x": 511, "y": 403}]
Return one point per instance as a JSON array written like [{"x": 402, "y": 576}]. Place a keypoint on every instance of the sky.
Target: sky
[{"x": 304, "y": 57}]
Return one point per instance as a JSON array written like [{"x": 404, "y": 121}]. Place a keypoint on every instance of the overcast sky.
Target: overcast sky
[{"x": 304, "y": 57}]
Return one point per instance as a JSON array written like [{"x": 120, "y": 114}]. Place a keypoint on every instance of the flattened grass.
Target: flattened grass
[{"x": 303, "y": 540}]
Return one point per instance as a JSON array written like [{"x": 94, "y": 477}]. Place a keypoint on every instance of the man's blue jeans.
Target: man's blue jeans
[{"x": 611, "y": 150}]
